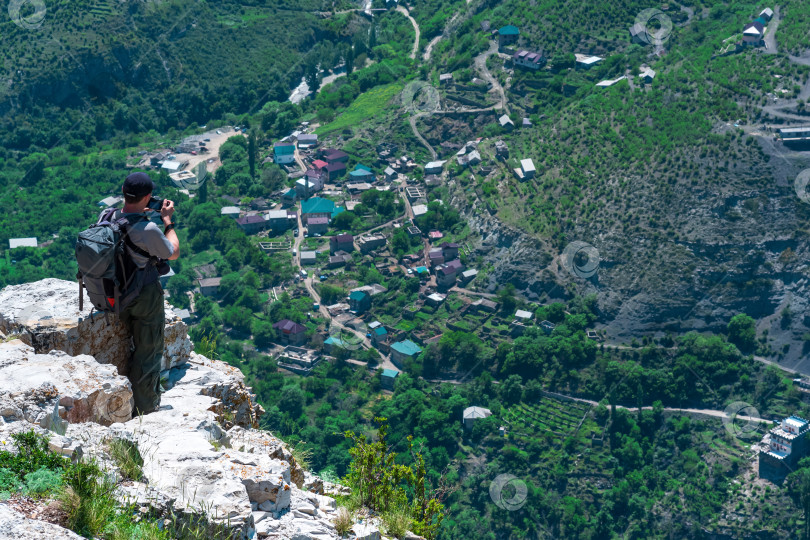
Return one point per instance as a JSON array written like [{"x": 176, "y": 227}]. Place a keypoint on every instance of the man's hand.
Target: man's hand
[{"x": 166, "y": 211}]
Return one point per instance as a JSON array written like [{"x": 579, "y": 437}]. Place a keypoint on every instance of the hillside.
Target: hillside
[{"x": 507, "y": 269}]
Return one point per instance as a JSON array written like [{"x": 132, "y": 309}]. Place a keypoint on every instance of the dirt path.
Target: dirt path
[
  {"x": 412, "y": 120},
  {"x": 404, "y": 11},
  {"x": 481, "y": 65},
  {"x": 434, "y": 41},
  {"x": 770, "y": 36}
]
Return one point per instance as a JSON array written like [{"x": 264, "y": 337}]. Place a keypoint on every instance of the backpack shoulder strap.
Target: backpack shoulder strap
[{"x": 125, "y": 223}]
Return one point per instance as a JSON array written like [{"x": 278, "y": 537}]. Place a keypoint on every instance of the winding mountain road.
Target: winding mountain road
[{"x": 405, "y": 12}]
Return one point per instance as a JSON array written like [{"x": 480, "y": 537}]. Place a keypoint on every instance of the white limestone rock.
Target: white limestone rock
[
  {"x": 15, "y": 526},
  {"x": 83, "y": 389},
  {"x": 46, "y": 316},
  {"x": 366, "y": 531}
]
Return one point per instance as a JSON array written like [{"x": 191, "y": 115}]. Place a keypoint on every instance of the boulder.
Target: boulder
[
  {"x": 15, "y": 526},
  {"x": 366, "y": 531},
  {"x": 45, "y": 314},
  {"x": 78, "y": 388}
]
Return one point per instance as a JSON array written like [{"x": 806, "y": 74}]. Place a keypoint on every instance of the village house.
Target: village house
[
  {"x": 506, "y": 122},
  {"x": 22, "y": 242},
  {"x": 251, "y": 224},
  {"x": 586, "y": 61},
  {"x": 753, "y": 32},
  {"x": 308, "y": 185},
  {"x": 278, "y": 220},
  {"x": 331, "y": 155},
  {"x": 507, "y": 35},
  {"x": 341, "y": 242},
  {"x": 378, "y": 335},
  {"x": 172, "y": 166},
  {"x": 445, "y": 79},
  {"x": 361, "y": 173},
  {"x": 435, "y": 235},
  {"x": 307, "y": 140},
  {"x": 434, "y": 167},
  {"x": 209, "y": 286},
  {"x": 472, "y": 414},
  {"x": 298, "y": 359},
  {"x": 447, "y": 273},
  {"x": 317, "y": 225},
  {"x": 526, "y": 169},
  {"x": 523, "y": 316},
  {"x": 388, "y": 378},
  {"x": 783, "y": 447},
  {"x": 404, "y": 350},
  {"x": 259, "y": 203},
  {"x": 468, "y": 275},
  {"x": 646, "y": 74},
  {"x": 436, "y": 257},
  {"x": 339, "y": 259},
  {"x": 230, "y": 211},
  {"x": 319, "y": 207},
  {"x": 283, "y": 153},
  {"x": 359, "y": 301},
  {"x": 390, "y": 174},
  {"x": 435, "y": 299},
  {"x": 638, "y": 34},
  {"x": 110, "y": 201},
  {"x": 289, "y": 197},
  {"x": 766, "y": 14},
  {"x": 289, "y": 332},
  {"x": 482, "y": 304},
  {"x": 419, "y": 210},
  {"x": 450, "y": 250},
  {"x": 308, "y": 257},
  {"x": 529, "y": 60}
]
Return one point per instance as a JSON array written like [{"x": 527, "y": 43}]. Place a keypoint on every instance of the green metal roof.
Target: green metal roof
[
  {"x": 407, "y": 347},
  {"x": 390, "y": 373},
  {"x": 337, "y": 210},
  {"x": 358, "y": 295},
  {"x": 509, "y": 30},
  {"x": 318, "y": 205},
  {"x": 360, "y": 167},
  {"x": 332, "y": 341},
  {"x": 380, "y": 331},
  {"x": 284, "y": 150}
]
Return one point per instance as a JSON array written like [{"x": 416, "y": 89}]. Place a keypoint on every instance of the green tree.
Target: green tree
[{"x": 742, "y": 331}]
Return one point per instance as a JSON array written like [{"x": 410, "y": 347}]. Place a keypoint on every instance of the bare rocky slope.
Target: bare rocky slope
[{"x": 201, "y": 450}]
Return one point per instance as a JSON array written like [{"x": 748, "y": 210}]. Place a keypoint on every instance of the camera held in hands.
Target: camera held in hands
[{"x": 155, "y": 204}]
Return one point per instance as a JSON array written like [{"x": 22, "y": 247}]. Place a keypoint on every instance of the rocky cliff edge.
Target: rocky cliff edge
[{"x": 61, "y": 372}]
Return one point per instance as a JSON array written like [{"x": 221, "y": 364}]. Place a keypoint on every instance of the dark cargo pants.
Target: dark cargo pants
[{"x": 144, "y": 319}]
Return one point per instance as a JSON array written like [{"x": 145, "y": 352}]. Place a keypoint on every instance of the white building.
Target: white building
[
  {"x": 419, "y": 210},
  {"x": 471, "y": 414},
  {"x": 586, "y": 61},
  {"x": 22, "y": 242},
  {"x": 230, "y": 211}
]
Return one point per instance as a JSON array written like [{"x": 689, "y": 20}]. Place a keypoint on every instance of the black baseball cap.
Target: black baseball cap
[{"x": 138, "y": 184}]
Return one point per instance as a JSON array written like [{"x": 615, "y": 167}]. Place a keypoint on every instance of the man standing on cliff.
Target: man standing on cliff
[{"x": 144, "y": 317}]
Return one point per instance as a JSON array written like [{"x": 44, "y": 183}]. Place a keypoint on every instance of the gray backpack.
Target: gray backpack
[{"x": 106, "y": 270}]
